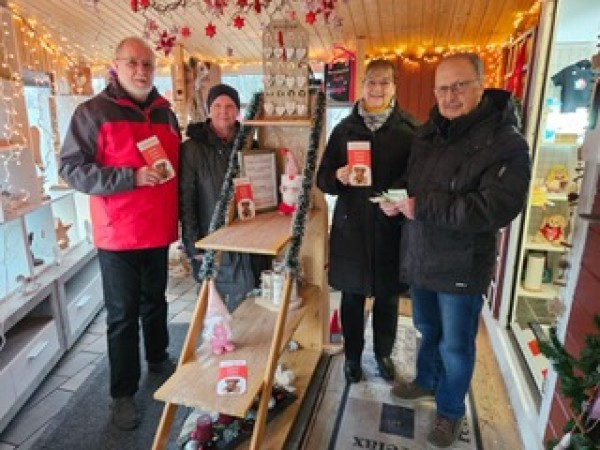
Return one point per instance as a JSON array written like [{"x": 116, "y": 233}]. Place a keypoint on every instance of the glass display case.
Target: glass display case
[{"x": 543, "y": 256}]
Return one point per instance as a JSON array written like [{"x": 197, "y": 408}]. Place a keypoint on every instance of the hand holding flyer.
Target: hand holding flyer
[{"x": 155, "y": 156}]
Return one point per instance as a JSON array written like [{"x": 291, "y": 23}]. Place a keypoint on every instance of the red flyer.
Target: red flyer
[
  {"x": 359, "y": 160},
  {"x": 233, "y": 377},
  {"x": 156, "y": 157},
  {"x": 244, "y": 199}
]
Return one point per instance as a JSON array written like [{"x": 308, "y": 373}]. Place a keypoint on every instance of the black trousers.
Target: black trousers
[
  {"x": 385, "y": 324},
  {"x": 134, "y": 285}
]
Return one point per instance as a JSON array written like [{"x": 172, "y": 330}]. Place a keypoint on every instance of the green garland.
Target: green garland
[
  {"x": 291, "y": 263},
  {"x": 218, "y": 218},
  {"x": 579, "y": 378}
]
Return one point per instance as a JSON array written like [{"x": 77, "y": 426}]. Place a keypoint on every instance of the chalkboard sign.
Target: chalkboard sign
[{"x": 339, "y": 81}]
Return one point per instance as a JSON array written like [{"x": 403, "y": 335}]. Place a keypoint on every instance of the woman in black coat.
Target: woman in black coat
[{"x": 363, "y": 256}]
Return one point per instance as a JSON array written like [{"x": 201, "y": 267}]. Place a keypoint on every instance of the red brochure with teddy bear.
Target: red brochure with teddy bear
[{"x": 359, "y": 160}]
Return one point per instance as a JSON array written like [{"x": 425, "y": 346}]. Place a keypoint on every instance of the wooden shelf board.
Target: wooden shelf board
[
  {"x": 549, "y": 291},
  {"x": 303, "y": 364},
  {"x": 194, "y": 382},
  {"x": 530, "y": 245},
  {"x": 265, "y": 234},
  {"x": 306, "y": 123}
]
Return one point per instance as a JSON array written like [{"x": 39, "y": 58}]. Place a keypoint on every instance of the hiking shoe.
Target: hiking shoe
[
  {"x": 386, "y": 368},
  {"x": 444, "y": 433},
  {"x": 165, "y": 367},
  {"x": 352, "y": 371},
  {"x": 124, "y": 413},
  {"x": 412, "y": 392}
]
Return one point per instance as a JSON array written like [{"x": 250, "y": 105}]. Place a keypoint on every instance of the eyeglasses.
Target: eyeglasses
[
  {"x": 372, "y": 83},
  {"x": 460, "y": 87},
  {"x": 132, "y": 63}
]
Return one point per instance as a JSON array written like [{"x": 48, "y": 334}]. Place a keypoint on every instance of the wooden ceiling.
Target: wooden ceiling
[{"x": 91, "y": 28}]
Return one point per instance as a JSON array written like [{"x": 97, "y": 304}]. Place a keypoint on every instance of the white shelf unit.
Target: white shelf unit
[
  {"x": 43, "y": 308},
  {"x": 532, "y": 306},
  {"x": 33, "y": 345}
]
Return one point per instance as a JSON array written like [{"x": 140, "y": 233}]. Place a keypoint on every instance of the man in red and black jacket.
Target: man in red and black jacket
[{"x": 134, "y": 213}]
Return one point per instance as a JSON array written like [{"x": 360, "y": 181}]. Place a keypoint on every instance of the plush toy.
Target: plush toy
[
  {"x": 290, "y": 186},
  {"x": 557, "y": 178},
  {"x": 551, "y": 230},
  {"x": 216, "y": 322}
]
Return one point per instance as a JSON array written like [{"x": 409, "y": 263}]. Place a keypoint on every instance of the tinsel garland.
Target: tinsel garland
[
  {"x": 291, "y": 263},
  {"x": 218, "y": 219}
]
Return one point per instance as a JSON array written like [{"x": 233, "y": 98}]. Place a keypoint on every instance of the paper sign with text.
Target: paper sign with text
[
  {"x": 359, "y": 161},
  {"x": 244, "y": 199},
  {"x": 233, "y": 377},
  {"x": 155, "y": 156}
]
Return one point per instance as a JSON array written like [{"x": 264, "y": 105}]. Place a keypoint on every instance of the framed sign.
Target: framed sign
[
  {"x": 260, "y": 166},
  {"x": 339, "y": 81}
]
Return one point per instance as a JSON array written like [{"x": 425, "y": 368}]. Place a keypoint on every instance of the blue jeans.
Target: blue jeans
[{"x": 448, "y": 325}]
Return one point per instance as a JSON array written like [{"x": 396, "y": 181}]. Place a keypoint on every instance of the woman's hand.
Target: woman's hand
[
  {"x": 406, "y": 207},
  {"x": 343, "y": 174}
]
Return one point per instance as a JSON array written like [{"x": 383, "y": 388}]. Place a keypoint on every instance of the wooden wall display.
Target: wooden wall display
[
  {"x": 80, "y": 80},
  {"x": 285, "y": 69}
]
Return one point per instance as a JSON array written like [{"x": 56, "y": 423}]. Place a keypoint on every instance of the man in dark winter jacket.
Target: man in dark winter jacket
[
  {"x": 468, "y": 177},
  {"x": 204, "y": 160},
  {"x": 363, "y": 256}
]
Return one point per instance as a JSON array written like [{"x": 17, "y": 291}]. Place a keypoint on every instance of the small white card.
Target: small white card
[{"x": 391, "y": 196}]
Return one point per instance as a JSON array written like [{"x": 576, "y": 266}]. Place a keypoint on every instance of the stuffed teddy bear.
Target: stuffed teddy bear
[
  {"x": 551, "y": 230},
  {"x": 216, "y": 323},
  {"x": 557, "y": 178}
]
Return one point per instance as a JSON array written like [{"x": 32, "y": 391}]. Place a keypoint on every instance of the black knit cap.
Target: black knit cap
[{"x": 222, "y": 89}]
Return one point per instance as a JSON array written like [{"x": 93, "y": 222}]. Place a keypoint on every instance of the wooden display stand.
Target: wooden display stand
[{"x": 260, "y": 334}]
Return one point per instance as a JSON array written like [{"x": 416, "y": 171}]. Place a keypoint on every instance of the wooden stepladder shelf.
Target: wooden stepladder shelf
[{"x": 261, "y": 334}]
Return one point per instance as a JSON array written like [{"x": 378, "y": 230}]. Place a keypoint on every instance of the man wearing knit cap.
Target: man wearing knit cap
[{"x": 204, "y": 160}]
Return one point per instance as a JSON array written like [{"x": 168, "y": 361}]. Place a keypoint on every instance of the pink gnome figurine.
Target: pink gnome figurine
[
  {"x": 216, "y": 322},
  {"x": 290, "y": 186}
]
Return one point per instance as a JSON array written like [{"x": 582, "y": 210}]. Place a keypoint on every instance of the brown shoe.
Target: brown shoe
[
  {"x": 412, "y": 392},
  {"x": 444, "y": 433}
]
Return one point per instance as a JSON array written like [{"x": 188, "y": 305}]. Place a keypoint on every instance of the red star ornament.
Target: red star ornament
[
  {"x": 185, "y": 31},
  {"x": 238, "y": 22},
  {"x": 210, "y": 30},
  {"x": 311, "y": 17},
  {"x": 165, "y": 43}
]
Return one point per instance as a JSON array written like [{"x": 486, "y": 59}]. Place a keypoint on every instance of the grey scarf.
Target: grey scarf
[{"x": 375, "y": 120}]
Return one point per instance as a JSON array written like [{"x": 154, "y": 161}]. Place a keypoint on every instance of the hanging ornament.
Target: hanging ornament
[
  {"x": 134, "y": 5},
  {"x": 257, "y": 6},
  {"x": 238, "y": 22},
  {"x": 242, "y": 3},
  {"x": 216, "y": 7},
  {"x": 291, "y": 14},
  {"x": 229, "y": 51},
  {"x": 144, "y": 4},
  {"x": 210, "y": 30},
  {"x": 165, "y": 43},
  {"x": 185, "y": 32},
  {"x": 311, "y": 17}
]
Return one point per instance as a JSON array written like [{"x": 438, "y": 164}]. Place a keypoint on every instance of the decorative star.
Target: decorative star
[
  {"x": 311, "y": 17},
  {"x": 238, "y": 22},
  {"x": 210, "y": 30},
  {"x": 185, "y": 31},
  {"x": 165, "y": 43},
  {"x": 291, "y": 14}
]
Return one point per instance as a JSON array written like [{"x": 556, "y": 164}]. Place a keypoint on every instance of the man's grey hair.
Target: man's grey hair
[{"x": 472, "y": 58}]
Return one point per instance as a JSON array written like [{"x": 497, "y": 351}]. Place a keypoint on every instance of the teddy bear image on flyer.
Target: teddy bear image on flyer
[
  {"x": 551, "y": 230},
  {"x": 216, "y": 322}
]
